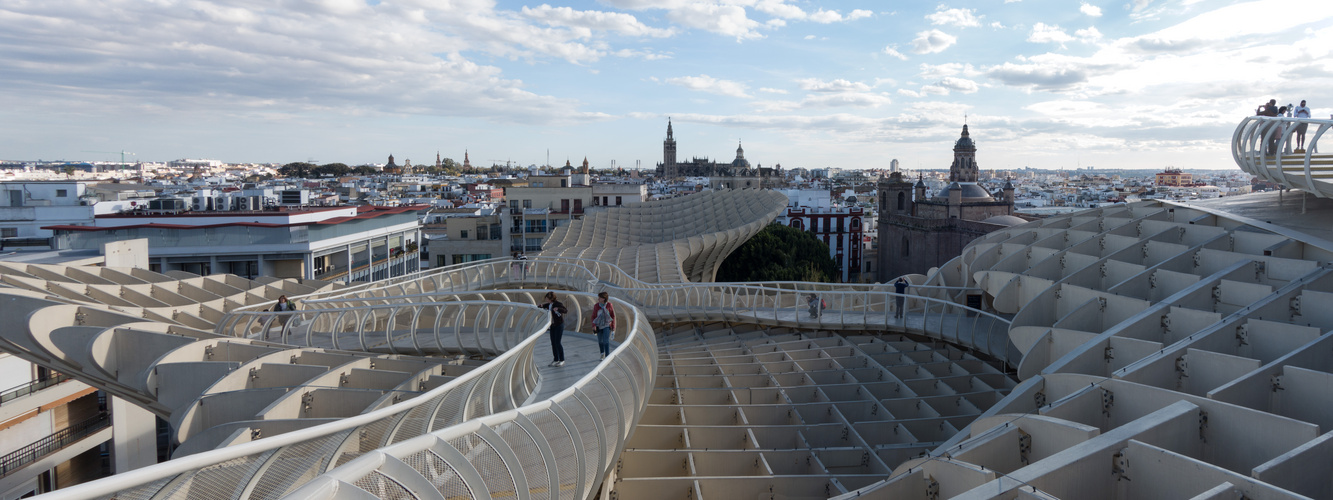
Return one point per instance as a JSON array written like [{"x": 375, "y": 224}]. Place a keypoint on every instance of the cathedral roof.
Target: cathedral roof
[
  {"x": 971, "y": 191},
  {"x": 1005, "y": 220}
]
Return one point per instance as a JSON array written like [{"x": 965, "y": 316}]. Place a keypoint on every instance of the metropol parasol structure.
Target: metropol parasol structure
[{"x": 1148, "y": 350}]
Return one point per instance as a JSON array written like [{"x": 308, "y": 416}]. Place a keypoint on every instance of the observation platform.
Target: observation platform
[{"x": 1162, "y": 350}]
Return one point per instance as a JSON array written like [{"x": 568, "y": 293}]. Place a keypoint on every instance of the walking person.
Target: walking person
[
  {"x": 816, "y": 305},
  {"x": 283, "y": 305},
  {"x": 900, "y": 287},
  {"x": 557, "y": 330},
  {"x": 603, "y": 321},
  {"x": 516, "y": 266}
]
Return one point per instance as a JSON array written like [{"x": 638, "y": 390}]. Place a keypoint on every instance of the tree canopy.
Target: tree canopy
[{"x": 780, "y": 253}]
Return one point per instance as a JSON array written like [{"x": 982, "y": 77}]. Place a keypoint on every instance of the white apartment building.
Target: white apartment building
[
  {"x": 365, "y": 243},
  {"x": 26, "y": 206}
]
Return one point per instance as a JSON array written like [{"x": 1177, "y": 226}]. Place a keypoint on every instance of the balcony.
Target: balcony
[
  {"x": 31, "y": 387},
  {"x": 48, "y": 445}
]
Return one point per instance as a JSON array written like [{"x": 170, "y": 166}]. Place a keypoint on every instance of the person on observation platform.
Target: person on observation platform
[
  {"x": 283, "y": 305},
  {"x": 603, "y": 320},
  {"x": 1301, "y": 112},
  {"x": 900, "y": 288},
  {"x": 557, "y": 331},
  {"x": 816, "y": 305}
]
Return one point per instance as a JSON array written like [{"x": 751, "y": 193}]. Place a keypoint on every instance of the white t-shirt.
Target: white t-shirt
[{"x": 1302, "y": 112}]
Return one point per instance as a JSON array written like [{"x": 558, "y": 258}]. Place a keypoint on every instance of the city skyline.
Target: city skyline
[{"x": 808, "y": 84}]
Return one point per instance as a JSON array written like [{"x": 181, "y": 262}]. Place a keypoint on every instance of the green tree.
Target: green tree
[
  {"x": 334, "y": 169},
  {"x": 780, "y": 253},
  {"x": 297, "y": 169}
]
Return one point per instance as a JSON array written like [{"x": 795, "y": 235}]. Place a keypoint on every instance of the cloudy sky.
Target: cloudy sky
[{"x": 803, "y": 83}]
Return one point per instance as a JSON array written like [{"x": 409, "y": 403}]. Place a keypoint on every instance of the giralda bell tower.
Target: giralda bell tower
[{"x": 669, "y": 154}]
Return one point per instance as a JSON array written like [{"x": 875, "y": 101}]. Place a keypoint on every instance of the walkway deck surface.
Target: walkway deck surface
[{"x": 581, "y": 357}]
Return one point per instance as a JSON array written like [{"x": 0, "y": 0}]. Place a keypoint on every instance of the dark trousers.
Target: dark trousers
[
  {"x": 557, "y": 331},
  {"x": 901, "y": 302},
  {"x": 604, "y": 340}
]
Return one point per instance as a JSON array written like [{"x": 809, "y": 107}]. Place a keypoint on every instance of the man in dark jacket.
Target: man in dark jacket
[
  {"x": 900, "y": 287},
  {"x": 557, "y": 330}
]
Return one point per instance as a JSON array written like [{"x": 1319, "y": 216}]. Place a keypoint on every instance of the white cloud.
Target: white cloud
[
  {"x": 771, "y": 90},
  {"x": 937, "y": 71},
  {"x": 838, "y": 85},
  {"x": 1089, "y": 34},
  {"x": 587, "y": 21},
  {"x": 962, "y": 18},
  {"x": 997, "y": 25},
  {"x": 933, "y": 41},
  {"x": 1044, "y": 33},
  {"x": 705, "y": 83},
  {"x": 959, "y": 84},
  {"x": 934, "y": 90},
  {"x": 1039, "y": 76},
  {"x": 832, "y": 16},
  {"x": 729, "y": 20},
  {"x": 1090, "y": 9},
  {"x": 641, "y": 54},
  {"x": 909, "y": 93},
  {"x": 868, "y": 100},
  {"x": 193, "y": 55},
  {"x": 894, "y": 52}
]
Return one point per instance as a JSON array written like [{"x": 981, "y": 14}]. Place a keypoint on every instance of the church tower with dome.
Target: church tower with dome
[{"x": 919, "y": 230}]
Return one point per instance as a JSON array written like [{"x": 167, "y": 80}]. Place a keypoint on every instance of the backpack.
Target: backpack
[
  {"x": 822, "y": 304},
  {"x": 601, "y": 318}
]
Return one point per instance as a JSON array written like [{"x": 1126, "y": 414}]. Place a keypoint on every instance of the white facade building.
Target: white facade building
[{"x": 364, "y": 243}]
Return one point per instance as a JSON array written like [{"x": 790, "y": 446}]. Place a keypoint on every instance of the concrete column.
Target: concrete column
[
  {"x": 212, "y": 264},
  {"x": 309, "y": 266},
  {"x": 133, "y": 436},
  {"x": 263, "y": 271}
]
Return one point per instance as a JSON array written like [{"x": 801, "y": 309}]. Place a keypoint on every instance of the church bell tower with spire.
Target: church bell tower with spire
[
  {"x": 669, "y": 154},
  {"x": 964, "y": 168}
]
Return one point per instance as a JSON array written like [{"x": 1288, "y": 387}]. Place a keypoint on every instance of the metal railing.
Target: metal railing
[
  {"x": 927, "y": 310},
  {"x": 31, "y": 387},
  {"x": 417, "y": 324},
  {"x": 478, "y": 435},
  {"x": 21, "y": 457},
  {"x": 560, "y": 447},
  {"x": 596, "y": 414}
]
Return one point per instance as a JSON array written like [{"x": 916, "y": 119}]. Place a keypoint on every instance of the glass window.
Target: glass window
[
  {"x": 61, "y": 193},
  {"x": 463, "y": 234}
]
